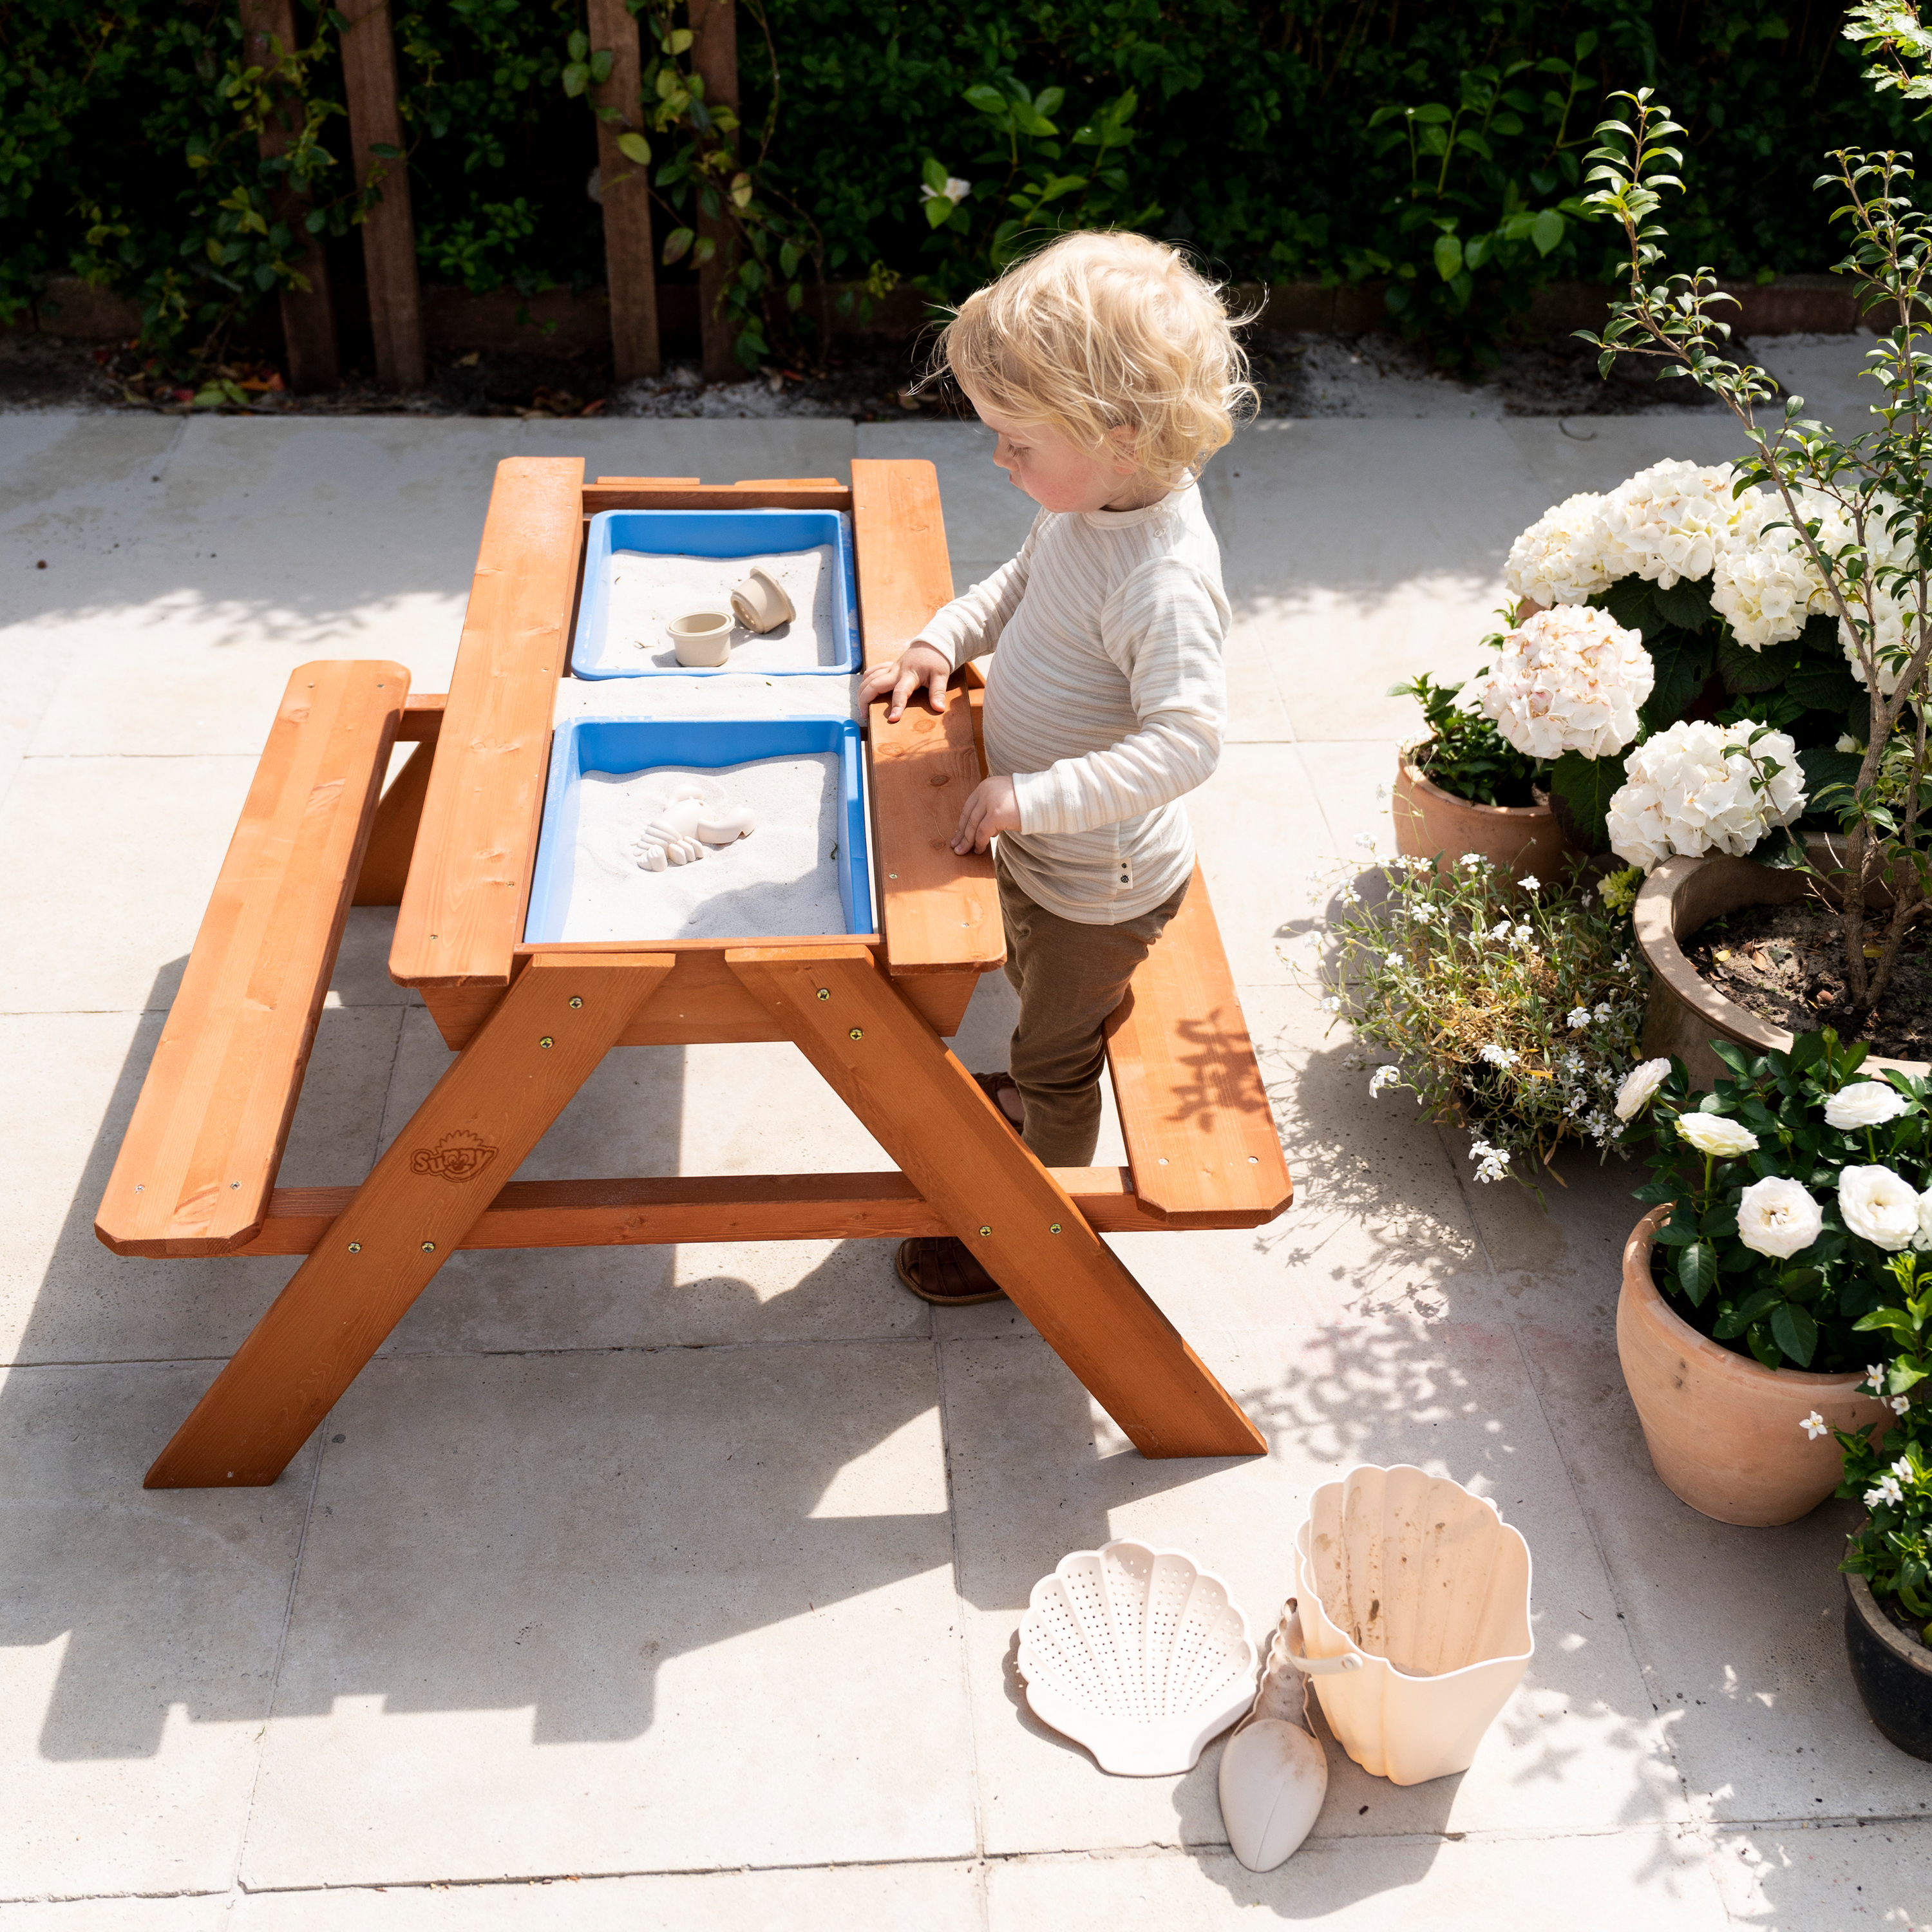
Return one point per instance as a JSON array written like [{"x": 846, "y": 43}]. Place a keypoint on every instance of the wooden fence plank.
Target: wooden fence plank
[
  {"x": 462, "y": 910},
  {"x": 630, "y": 267},
  {"x": 389, "y": 231},
  {"x": 714, "y": 54},
  {"x": 308, "y": 318}
]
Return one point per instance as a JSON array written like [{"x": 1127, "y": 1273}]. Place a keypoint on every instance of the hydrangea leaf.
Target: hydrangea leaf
[
  {"x": 1686, "y": 605},
  {"x": 1747, "y": 671},
  {"x": 1580, "y": 793},
  {"x": 1682, "y": 662}
]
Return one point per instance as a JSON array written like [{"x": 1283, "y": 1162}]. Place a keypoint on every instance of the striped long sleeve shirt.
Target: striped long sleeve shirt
[{"x": 1105, "y": 699}]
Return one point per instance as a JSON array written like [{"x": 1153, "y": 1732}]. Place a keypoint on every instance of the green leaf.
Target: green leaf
[
  {"x": 600, "y": 66},
  {"x": 1547, "y": 230},
  {"x": 635, "y": 147},
  {"x": 1824, "y": 687},
  {"x": 1580, "y": 790},
  {"x": 933, "y": 174},
  {"x": 1448, "y": 253},
  {"x": 1628, "y": 600},
  {"x": 1795, "y": 1332},
  {"x": 1746, "y": 672},
  {"x": 938, "y": 211},
  {"x": 987, "y": 100},
  {"x": 1686, "y": 605},
  {"x": 386, "y": 152},
  {"x": 1824, "y": 768},
  {"x": 1681, "y": 660},
  {"x": 1697, "y": 1270},
  {"x": 677, "y": 245},
  {"x": 677, "y": 41},
  {"x": 574, "y": 76}
]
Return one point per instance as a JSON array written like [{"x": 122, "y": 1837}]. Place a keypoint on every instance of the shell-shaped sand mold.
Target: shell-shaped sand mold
[
  {"x": 1138, "y": 1654},
  {"x": 679, "y": 834}
]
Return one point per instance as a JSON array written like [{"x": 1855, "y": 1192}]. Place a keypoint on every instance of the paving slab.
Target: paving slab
[
  {"x": 1036, "y": 1474},
  {"x": 585, "y": 1601},
  {"x": 936, "y": 1897},
  {"x": 1597, "y": 1884},
  {"x": 1827, "y": 1878},
  {"x": 139, "y": 1632}
]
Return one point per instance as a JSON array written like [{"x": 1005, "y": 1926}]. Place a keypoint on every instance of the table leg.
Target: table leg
[
  {"x": 922, "y": 1106},
  {"x": 544, "y": 1040}
]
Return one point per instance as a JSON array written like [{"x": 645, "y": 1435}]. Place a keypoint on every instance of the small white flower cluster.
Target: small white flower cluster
[
  {"x": 1500, "y": 1056},
  {"x": 1890, "y": 1487},
  {"x": 1492, "y": 1163},
  {"x": 1874, "y": 1384},
  {"x": 1697, "y": 788},
  {"x": 1384, "y": 1078},
  {"x": 1569, "y": 679}
]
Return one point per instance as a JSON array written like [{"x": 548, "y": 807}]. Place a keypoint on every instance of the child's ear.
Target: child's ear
[{"x": 1124, "y": 444}]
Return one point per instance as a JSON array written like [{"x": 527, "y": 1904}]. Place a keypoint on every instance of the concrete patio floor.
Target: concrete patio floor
[{"x": 679, "y": 1587}]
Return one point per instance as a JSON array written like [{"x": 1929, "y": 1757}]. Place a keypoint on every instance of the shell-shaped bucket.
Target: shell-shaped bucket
[
  {"x": 1138, "y": 1654},
  {"x": 1430, "y": 1588}
]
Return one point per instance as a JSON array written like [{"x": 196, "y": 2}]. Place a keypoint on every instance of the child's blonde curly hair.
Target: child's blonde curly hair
[{"x": 1102, "y": 332}]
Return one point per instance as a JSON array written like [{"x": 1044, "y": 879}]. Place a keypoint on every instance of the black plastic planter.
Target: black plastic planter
[{"x": 1892, "y": 1670}]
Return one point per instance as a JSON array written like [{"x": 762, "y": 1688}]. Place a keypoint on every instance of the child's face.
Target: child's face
[{"x": 1057, "y": 473}]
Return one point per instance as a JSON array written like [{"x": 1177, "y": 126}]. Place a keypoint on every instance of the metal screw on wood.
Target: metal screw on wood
[
  {"x": 355, "y": 1247},
  {"x": 429, "y": 1247},
  {"x": 825, "y": 992},
  {"x": 546, "y": 1041},
  {"x": 234, "y": 1184},
  {"x": 1053, "y": 1227},
  {"x": 858, "y": 1033},
  {"x": 575, "y": 1004},
  {"x": 985, "y": 1230}
]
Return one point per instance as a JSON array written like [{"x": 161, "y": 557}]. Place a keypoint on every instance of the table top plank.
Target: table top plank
[
  {"x": 898, "y": 532},
  {"x": 462, "y": 910}
]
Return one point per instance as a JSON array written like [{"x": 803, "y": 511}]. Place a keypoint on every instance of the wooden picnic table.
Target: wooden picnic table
[{"x": 452, "y": 842}]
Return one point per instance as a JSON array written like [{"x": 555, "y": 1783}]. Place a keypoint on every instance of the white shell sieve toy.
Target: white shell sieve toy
[
  {"x": 1138, "y": 1654},
  {"x": 680, "y": 833}
]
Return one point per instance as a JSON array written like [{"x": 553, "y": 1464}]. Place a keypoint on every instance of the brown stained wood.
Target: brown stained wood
[
  {"x": 423, "y": 1196},
  {"x": 422, "y": 718},
  {"x": 308, "y": 315},
  {"x": 388, "y": 229},
  {"x": 780, "y": 495},
  {"x": 1200, "y": 1134},
  {"x": 392, "y": 836},
  {"x": 707, "y": 1207},
  {"x": 939, "y": 911},
  {"x": 898, "y": 538},
  {"x": 923, "y": 1108},
  {"x": 651, "y": 482},
  {"x": 462, "y": 912},
  {"x": 630, "y": 270},
  {"x": 714, "y": 56},
  {"x": 199, "y": 1159}
]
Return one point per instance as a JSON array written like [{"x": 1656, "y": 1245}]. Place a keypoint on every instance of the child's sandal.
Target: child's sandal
[{"x": 940, "y": 1269}]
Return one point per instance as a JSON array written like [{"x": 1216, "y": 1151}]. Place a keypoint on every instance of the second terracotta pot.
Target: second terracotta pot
[
  {"x": 1432, "y": 823},
  {"x": 1725, "y": 1433}
]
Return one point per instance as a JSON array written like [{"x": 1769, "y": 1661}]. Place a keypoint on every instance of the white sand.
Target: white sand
[
  {"x": 781, "y": 882},
  {"x": 717, "y": 694},
  {"x": 647, "y": 591}
]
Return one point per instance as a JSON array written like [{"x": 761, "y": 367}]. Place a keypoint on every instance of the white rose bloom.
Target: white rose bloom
[
  {"x": 1571, "y": 679},
  {"x": 1559, "y": 558},
  {"x": 1879, "y": 1206},
  {"x": 1689, "y": 791},
  {"x": 1639, "y": 1084},
  {"x": 1777, "y": 1217},
  {"x": 1712, "y": 1133},
  {"x": 1675, "y": 519},
  {"x": 1864, "y": 1103}
]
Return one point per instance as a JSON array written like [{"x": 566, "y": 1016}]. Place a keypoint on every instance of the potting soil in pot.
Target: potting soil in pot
[
  {"x": 648, "y": 591},
  {"x": 781, "y": 882},
  {"x": 1786, "y": 964}
]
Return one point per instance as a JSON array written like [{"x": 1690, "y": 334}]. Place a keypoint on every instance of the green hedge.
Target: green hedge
[{"x": 1435, "y": 143}]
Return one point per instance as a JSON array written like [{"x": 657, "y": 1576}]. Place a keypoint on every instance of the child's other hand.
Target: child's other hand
[
  {"x": 920, "y": 665},
  {"x": 994, "y": 806}
]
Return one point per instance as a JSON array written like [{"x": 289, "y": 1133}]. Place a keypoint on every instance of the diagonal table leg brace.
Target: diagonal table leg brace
[
  {"x": 544, "y": 1040},
  {"x": 922, "y": 1106}
]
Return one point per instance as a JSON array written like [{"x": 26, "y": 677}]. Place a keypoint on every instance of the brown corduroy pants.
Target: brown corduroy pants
[{"x": 1069, "y": 978}]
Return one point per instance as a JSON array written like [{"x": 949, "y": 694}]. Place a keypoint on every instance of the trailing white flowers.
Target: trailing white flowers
[
  {"x": 1698, "y": 787},
  {"x": 1568, "y": 679}
]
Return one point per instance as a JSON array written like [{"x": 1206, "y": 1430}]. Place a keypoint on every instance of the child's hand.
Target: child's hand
[
  {"x": 920, "y": 665},
  {"x": 993, "y": 807}
]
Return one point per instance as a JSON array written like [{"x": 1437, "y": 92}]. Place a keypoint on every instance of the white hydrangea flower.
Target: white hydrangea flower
[
  {"x": 1879, "y": 1206},
  {"x": 1887, "y": 618},
  {"x": 1863, "y": 1103},
  {"x": 1778, "y": 1216},
  {"x": 1639, "y": 1084},
  {"x": 1689, "y": 791},
  {"x": 1674, "y": 520},
  {"x": 1569, "y": 679},
  {"x": 1560, "y": 559},
  {"x": 1766, "y": 587},
  {"x": 1713, "y": 1134}
]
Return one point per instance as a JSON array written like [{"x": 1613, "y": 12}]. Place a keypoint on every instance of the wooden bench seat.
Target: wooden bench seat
[{"x": 198, "y": 1165}]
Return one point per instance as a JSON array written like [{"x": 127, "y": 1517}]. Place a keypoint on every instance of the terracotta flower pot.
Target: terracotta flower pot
[
  {"x": 1432, "y": 823},
  {"x": 1724, "y": 1432},
  {"x": 1686, "y": 1012},
  {"x": 1892, "y": 1670}
]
